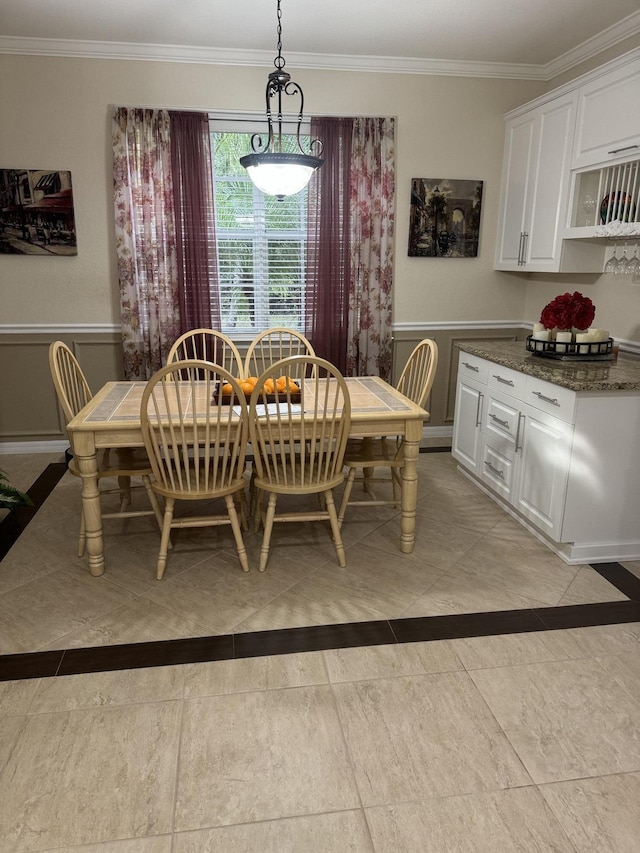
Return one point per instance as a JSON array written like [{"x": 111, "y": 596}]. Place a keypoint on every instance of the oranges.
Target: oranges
[{"x": 282, "y": 384}]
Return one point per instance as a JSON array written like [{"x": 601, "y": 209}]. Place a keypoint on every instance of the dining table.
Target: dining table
[{"x": 112, "y": 419}]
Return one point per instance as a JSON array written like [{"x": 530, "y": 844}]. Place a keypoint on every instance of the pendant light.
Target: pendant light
[{"x": 274, "y": 171}]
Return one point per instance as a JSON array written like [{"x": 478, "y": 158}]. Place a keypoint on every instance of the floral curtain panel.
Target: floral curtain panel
[
  {"x": 145, "y": 238},
  {"x": 372, "y": 229}
]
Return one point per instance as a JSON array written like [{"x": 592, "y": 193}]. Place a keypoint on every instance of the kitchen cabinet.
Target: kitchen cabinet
[
  {"x": 470, "y": 394},
  {"x": 535, "y": 190},
  {"x": 608, "y": 117},
  {"x": 550, "y": 455}
]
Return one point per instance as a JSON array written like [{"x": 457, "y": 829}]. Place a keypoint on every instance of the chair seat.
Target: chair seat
[
  {"x": 289, "y": 479},
  {"x": 118, "y": 462}
]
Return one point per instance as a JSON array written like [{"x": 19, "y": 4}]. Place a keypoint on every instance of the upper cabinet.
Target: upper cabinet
[
  {"x": 536, "y": 178},
  {"x": 552, "y": 192},
  {"x": 608, "y": 118}
]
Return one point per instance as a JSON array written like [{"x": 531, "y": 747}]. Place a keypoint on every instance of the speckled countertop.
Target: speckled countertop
[{"x": 623, "y": 375}]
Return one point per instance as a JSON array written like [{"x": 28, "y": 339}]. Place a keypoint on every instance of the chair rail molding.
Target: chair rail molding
[{"x": 60, "y": 328}]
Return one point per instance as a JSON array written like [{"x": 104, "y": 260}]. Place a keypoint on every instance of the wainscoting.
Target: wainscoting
[{"x": 29, "y": 411}]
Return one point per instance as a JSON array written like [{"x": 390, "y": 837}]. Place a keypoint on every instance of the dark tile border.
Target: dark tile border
[{"x": 312, "y": 638}]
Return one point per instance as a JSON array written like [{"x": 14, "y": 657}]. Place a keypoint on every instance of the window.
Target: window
[{"x": 261, "y": 244}]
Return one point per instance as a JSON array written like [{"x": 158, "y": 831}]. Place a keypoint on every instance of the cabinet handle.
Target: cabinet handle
[
  {"x": 520, "y": 262},
  {"x": 552, "y": 400},
  {"x": 479, "y": 410},
  {"x": 525, "y": 237},
  {"x": 499, "y": 420},
  {"x": 471, "y": 366},
  {"x": 495, "y": 470},
  {"x": 626, "y": 148},
  {"x": 504, "y": 381},
  {"x": 520, "y": 420}
]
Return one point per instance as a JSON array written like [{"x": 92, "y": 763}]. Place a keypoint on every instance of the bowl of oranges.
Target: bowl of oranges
[{"x": 281, "y": 389}]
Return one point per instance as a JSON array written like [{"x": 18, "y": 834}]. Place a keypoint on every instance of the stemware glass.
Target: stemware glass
[
  {"x": 623, "y": 262},
  {"x": 633, "y": 267},
  {"x": 611, "y": 267}
]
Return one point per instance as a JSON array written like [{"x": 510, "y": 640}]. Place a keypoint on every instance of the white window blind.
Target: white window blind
[{"x": 261, "y": 244}]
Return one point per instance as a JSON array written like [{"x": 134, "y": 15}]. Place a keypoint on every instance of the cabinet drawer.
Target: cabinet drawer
[
  {"x": 473, "y": 367},
  {"x": 506, "y": 380},
  {"x": 502, "y": 418},
  {"x": 554, "y": 399},
  {"x": 498, "y": 470}
]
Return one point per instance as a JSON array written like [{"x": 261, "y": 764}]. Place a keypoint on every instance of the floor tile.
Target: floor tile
[
  {"x": 108, "y": 689},
  {"x": 565, "y": 718},
  {"x": 36, "y": 613},
  {"x": 531, "y": 571},
  {"x": 16, "y": 696},
  {"x": 87, "y": 776},
  {"x": 514, "y": 649},
  {"x": 218, "y": 594},
  {"x": 322, "y": 833},
  {"x": 425, "y": 736},
  {"x": 138, "y": 621},
  {"x": 259, "y": 756},
  {"x": 512, "y": 821},
  {"x": 472, "y": 511},
  {"x": 602, "y": 640},
  {"x": 587, "y": 587},
  {"x": 154, "y": 844},
  {"x": 261, "y": 673},
  {"x": 388, "y": 661},
  {"x": 598, "y": 814}
]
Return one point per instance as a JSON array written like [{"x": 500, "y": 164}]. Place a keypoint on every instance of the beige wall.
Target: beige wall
[{"x": 55, "y": 114}]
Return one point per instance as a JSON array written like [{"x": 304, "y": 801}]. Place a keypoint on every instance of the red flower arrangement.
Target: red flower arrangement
[{"x": 570, "y": 310}]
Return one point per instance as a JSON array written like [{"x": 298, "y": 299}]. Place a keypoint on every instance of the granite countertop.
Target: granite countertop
[{"x": 623, "y": 375}]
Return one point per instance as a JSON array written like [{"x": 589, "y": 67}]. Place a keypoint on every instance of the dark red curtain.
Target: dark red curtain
[
  {"x": 328, "y": 251},
  {"x": 195, "y": 222}
]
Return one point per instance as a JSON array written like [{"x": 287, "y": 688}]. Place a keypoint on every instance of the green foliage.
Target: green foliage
[{"x": 10, "y": 497}]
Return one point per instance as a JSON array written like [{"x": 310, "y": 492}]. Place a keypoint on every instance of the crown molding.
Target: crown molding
[
  {"x": 613, "y": 35},
  {"x": 223, "y": 56}
]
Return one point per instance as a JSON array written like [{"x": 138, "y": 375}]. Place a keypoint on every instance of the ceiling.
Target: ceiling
[{"x": 535, "y": 38}]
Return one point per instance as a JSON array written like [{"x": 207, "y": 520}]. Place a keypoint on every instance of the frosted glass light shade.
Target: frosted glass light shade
[{"x": 280, "y": 174}]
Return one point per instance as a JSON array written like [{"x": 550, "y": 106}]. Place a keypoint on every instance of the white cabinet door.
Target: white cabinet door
[
  {"x": 516, "y": 184},
  {"x": 466, "y": 446},
  {"x": 608, "y": 118},
  {"x": 543, "y": 470},
  {"x": 535, "y": 187}
]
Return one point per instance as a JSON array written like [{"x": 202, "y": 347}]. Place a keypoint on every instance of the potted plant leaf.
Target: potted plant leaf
[{"x": 10, "y": 497}]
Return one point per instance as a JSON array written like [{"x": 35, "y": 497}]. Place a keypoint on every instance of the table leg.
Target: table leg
[
  {"x": 410, "y": 487},
  {"x": 85, "y": 456}
]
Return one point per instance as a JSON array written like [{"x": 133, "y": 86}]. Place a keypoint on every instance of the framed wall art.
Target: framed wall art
[
  {"x": 36, "y": 213},
  {"x": 444, "y": 219}
]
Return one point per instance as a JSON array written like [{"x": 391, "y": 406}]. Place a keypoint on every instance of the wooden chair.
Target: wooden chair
[
  {"x": 73, "y": 392},
  {"x": 273, "y": 345},
  {"x": 367, "y": 454},
  {"x": 196, "y": 441},
  {"x": 208, "y": 345},
  {"x": 299, "y": 446}
]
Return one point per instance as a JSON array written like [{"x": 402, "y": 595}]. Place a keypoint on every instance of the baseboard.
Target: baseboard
[{"x": 13, "y": 447}]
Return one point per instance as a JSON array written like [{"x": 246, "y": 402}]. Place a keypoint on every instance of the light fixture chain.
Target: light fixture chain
[{"x": 279, "y": 61}]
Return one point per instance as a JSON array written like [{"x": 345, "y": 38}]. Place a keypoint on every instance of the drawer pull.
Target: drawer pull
[
  {"x": 495, "y": 470},
  {"x": 619, "y": 150},
  {"x": 552, "y": 400},
  {"x": 501, "y": 379},
  {"x": 499, "y": 420},
  {"x": 471, "y": 366}
]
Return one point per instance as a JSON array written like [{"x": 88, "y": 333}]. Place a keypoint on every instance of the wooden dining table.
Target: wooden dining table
[{"x": 112, "y": 419}]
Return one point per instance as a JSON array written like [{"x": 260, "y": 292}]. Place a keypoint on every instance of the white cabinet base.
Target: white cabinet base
[{"x": 573, "y": 554}]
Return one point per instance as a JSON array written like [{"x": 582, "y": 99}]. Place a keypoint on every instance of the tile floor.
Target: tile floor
[{"x": 498, "y": 734}]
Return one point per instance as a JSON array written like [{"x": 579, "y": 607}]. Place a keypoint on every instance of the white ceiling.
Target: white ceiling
[{"x": 523, "y": 37}]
